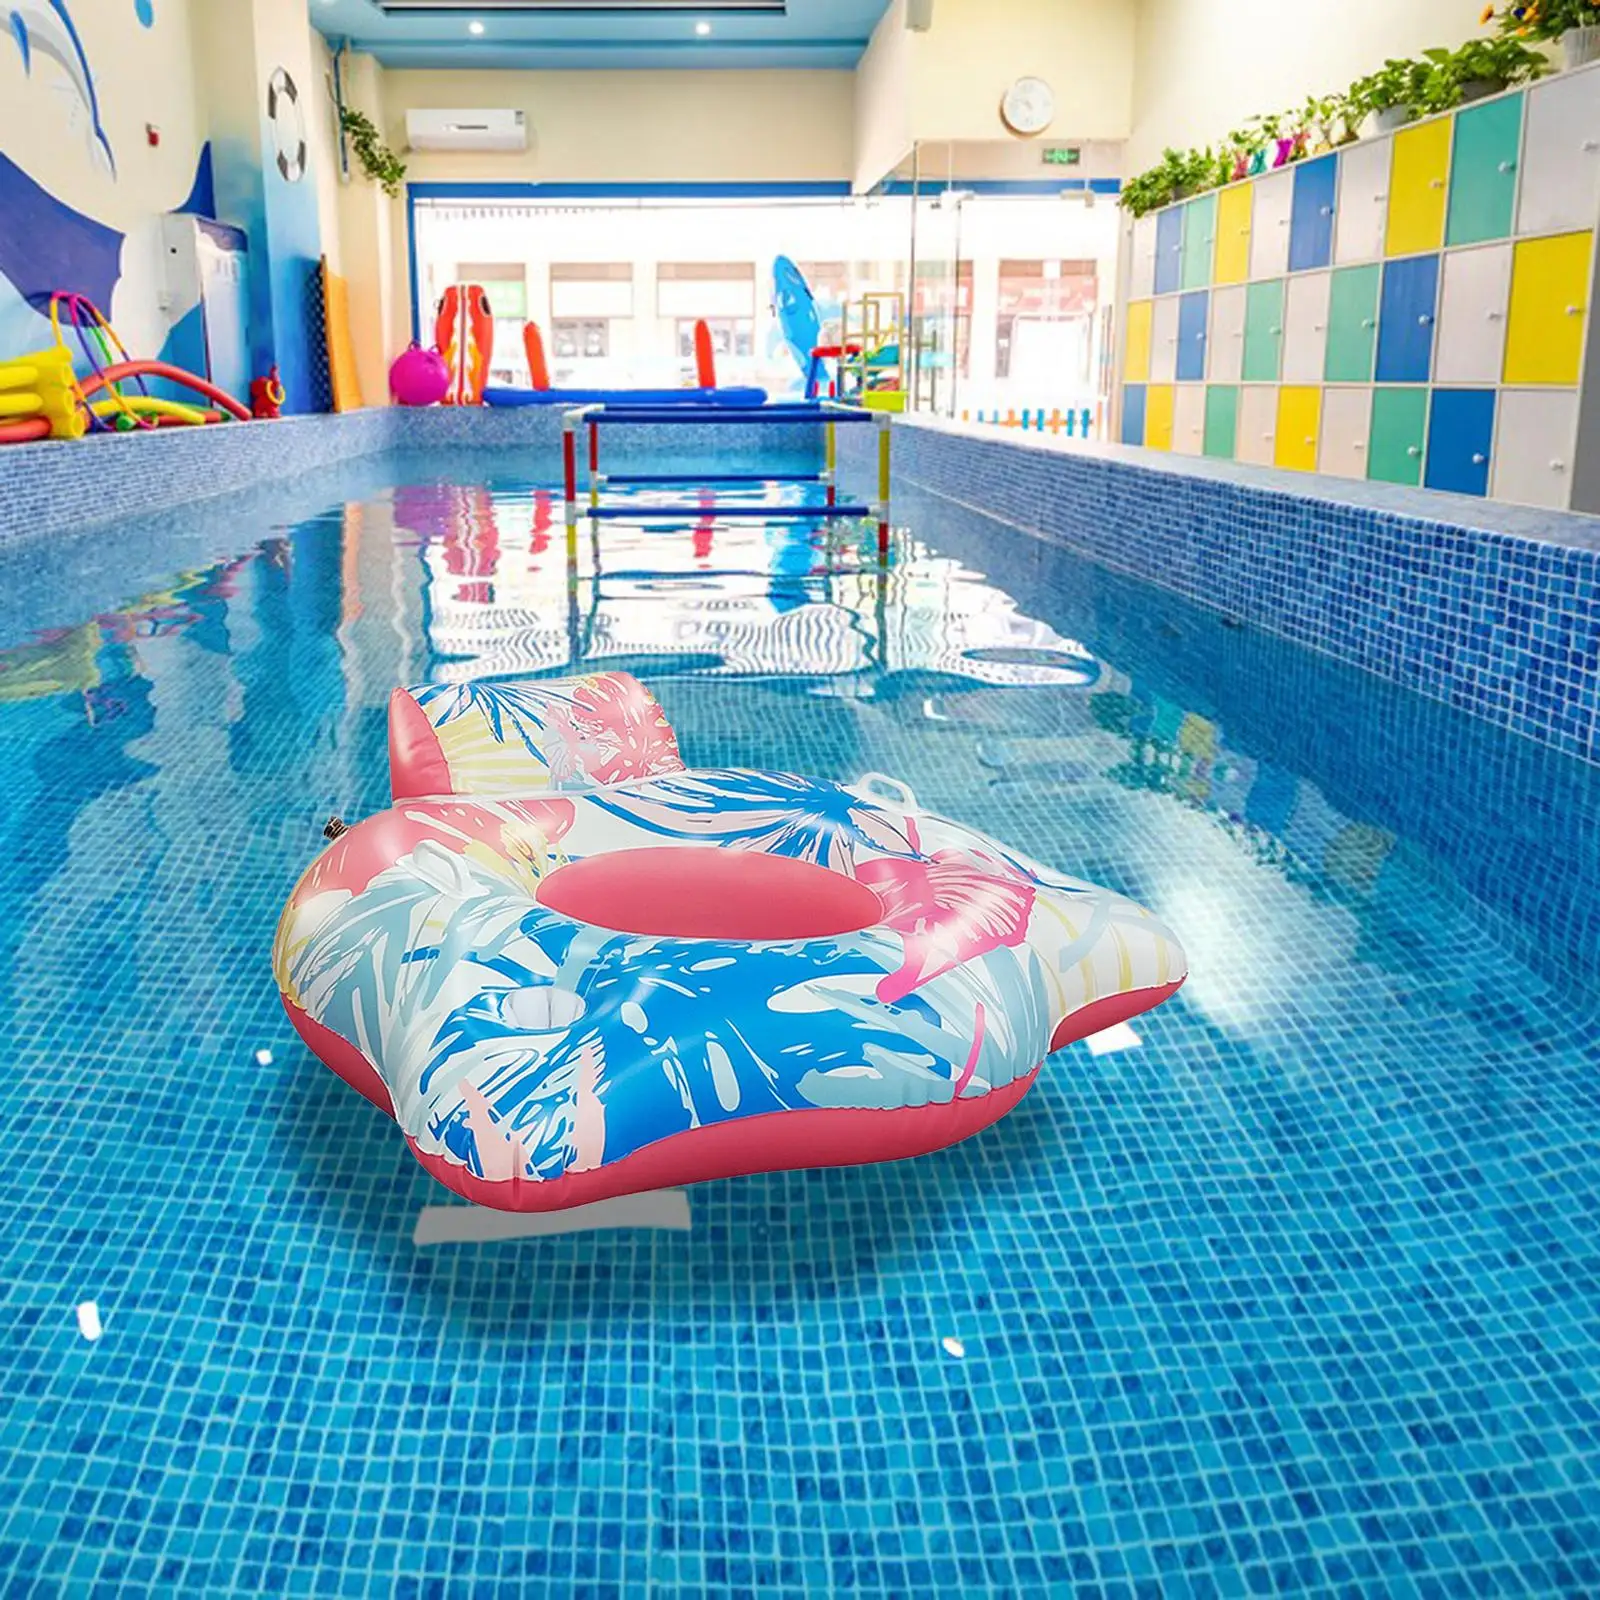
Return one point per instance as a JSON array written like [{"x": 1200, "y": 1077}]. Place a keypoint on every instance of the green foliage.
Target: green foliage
[
  {"x": 1432, "y": 82},
  {"x": 1486, "y": 64},
  {"x": 1545, "y": 19},
  {"x": 378, "y": 161},
  {"x": 1394, "y": 84}
]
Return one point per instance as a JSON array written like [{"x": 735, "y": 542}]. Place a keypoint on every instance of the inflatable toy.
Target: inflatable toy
[
  {"x": 464, "y": 334},
  {"x": 570, "y": 968},
  {"x": 419, "y": 377},
  {"x": 533, "y": 348},
  {"x": 267, "y": 396},
  {"x": 736, "y": 398},
  {"x": 42, "y": 397},
  {"x": 707, "y": 392}
]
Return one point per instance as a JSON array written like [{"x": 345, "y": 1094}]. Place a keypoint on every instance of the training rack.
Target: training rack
[{"x": 831, "y": 414}]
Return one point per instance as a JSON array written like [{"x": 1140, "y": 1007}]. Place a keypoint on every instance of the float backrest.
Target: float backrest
[{"x": 523, "y": 738}]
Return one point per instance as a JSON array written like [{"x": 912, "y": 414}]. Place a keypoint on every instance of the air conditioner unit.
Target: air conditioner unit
[{"x": 466, "y": 130}]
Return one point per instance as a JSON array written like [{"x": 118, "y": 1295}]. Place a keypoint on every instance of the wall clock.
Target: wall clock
[{"x": 1028, "y": 107}]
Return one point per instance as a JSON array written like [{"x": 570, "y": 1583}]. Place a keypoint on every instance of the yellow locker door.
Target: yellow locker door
[
  {"x": 1299, "y": 423},
  {"x": 1417, "y": 190},
  {"x": 1233, "y": 234},
  {"x": 1159, "y": 399},
  {"x": 1549, "y": 307},
  {"x": 1136, "y": 351}
]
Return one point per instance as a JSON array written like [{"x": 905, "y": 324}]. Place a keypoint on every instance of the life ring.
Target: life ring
[
  {"x": 288, "y": 125},
  {"x": 571, "y": 968}
]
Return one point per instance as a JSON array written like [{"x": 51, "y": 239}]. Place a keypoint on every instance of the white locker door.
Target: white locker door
[
  {"x": 1225, "y": 346},
  {"x": 1305, "y": 327},
  {"x": 1560, "y": 189},
  {"x": 1346, "y": 428},
  {"x": 1164, "y": 340},
  {"x": 1472, "y": 315},
  {"x": 1189, "y": 419},
  {"x": 1258, "y": 424},
  {"x": 1142, "y": 282},
  {"x": 1534, "y": 437},
  {"x": 1269, "y": 229},
  {"x": 1363, "y": 203}
]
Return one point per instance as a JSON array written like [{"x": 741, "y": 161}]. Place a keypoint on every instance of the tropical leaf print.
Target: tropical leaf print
[
  {"x": 567, "y": 733},
  {"x": 519, "y": 1042},
  {"x": 802, "y": 817}
]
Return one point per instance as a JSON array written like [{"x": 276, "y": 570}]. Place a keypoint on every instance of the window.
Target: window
[
  {"x": 591, "y": 289},
  {"x": 580, "y": 338},
  {"x": 714, "y": 290},
  {"x": 1045, "y": 318},
  {"x": 730, "y": 336}
]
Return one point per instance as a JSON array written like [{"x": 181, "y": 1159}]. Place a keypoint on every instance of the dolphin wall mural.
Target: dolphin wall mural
[{"x": 44, "y": 28}]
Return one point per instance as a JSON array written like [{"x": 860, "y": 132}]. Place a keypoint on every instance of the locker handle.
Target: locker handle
[
  {"x": 1591, "y": 144},
  {"x": 1319, "y": 327},
  {"x": 1508, "y": 166},
  {"x": 1574, "y": 311},
  {"x": 1424, "y": 319},
  {"x": 1327, "y": 211},
  {"x": 1436, "y": 183},
  {"x": 1495, "y": 316},
  {"x": 1277, "y": 330},
  {"x": 1413, "y": 449},
  {"x": 1358, "y": 444},
  {"x": 1478, "y": 458},
  {"x": 1558, "y": 466},
  {"x": 1369, "y": 322}
]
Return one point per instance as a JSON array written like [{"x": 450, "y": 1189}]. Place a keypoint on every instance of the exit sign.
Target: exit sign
[{"x": 1062, "y": 155}]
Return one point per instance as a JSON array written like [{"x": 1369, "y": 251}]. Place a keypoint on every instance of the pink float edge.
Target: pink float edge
[{"x": 777, "y": 1141}]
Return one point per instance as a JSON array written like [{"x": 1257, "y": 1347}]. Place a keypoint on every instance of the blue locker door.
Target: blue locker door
[
  {"x": 1133, "y": 413},
  {"x": 1311, "y": 220},
  {"x": 1405, "y": 319},
  {"x": 1169, "y": 249},
  {"x": 1460, "y": 433},
  {"x": 1192, "y": 336}
]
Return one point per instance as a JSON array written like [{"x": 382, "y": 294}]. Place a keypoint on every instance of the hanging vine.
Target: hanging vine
[{"x": 378, "y": 161}]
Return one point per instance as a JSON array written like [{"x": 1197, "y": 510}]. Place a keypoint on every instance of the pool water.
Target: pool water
[{"x": 1297, "y": 1288}]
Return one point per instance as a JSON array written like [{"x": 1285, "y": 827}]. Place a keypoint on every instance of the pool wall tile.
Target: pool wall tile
[
  {"x": 1490, "y": 608},
  {"x": 54, "y": 486}
]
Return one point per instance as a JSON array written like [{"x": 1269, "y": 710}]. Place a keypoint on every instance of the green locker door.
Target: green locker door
[
  {"x": 1399, "y": 431},
  {"x": 1352, "y": 325},
  {"x": 1263, "y": 331},
  {"x": 1222, "y": 420},
  {"x": 1483, "y": 171},
  {"x": 1199, "y": 241}
]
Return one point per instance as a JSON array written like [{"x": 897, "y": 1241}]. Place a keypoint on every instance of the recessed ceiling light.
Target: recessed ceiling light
[
  {"x": 702, "y": 28},
  {"x": 474, "y": 27}
]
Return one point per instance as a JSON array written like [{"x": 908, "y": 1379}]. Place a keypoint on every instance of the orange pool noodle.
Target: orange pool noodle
[
  {"x": 705, "y": 358},
  {"x": 538, "y": 367}
]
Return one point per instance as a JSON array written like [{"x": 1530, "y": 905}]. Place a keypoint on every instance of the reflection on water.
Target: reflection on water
[{"x": 1353, "y": 1157}]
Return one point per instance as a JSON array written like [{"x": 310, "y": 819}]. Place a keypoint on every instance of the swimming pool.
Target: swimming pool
[{"x": 1298, "y": 1290}]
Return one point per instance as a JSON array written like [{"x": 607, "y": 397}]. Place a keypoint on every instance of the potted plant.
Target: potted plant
[
  {"x": 1479, "y": 67},
  {"x": 1329, "y": 120},
  {"x": 1389, "y": 96},
  {"x": 1576, "y": 23}
]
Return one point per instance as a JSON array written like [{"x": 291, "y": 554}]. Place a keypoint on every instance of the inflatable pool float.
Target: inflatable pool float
[
  {"x": 738, "y": 398},
  {"x": 570, "y": 968}
]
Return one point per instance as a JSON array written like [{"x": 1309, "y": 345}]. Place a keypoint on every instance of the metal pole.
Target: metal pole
[
  {"x": 883, "y": 486},
  {"x": 830, "y": 458}
]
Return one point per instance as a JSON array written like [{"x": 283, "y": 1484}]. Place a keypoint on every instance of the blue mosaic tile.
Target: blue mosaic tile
[
  {"x": 1493, "y": 609},
  {"x": 1297, "y": 1296}
]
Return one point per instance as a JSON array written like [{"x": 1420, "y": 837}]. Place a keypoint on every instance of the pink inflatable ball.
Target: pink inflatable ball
[{"x": 419, "y": 377}]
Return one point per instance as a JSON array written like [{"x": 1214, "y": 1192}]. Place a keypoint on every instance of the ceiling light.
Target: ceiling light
[
  {"x": 474, "y": 27},
  {"x": 702, "y": 28}
]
